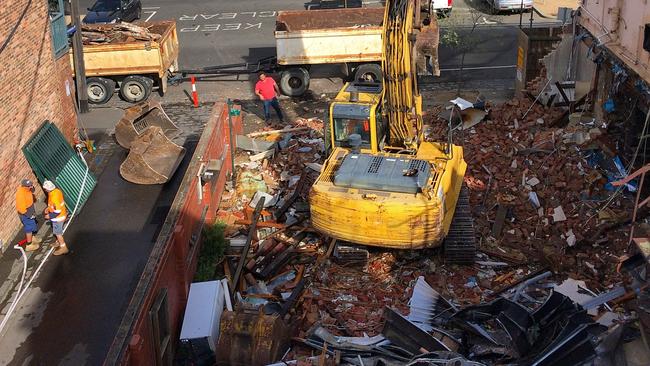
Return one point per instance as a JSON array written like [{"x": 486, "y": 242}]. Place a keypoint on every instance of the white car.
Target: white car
[
  {"x": 440, "y": 7},
  {"x": 497, "y": 6}
]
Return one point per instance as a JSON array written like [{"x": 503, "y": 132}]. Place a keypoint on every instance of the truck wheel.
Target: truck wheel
[
  {"x": 100, "y": 90},
  {"x": 294, "y": 82},
  {"x": 135, "y": 89},
  {"x": 368, "y": 72}
]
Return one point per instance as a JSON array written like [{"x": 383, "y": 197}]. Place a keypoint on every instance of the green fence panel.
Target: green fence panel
[
  {"x": 58, "y": 27},
  {"x": 51, "y": 158}
]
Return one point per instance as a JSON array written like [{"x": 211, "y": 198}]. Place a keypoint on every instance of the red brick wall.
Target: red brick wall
[{"x": 32, "y": 90}]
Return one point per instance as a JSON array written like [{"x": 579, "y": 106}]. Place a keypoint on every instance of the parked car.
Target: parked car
[
  {"x": 497, "y": 6},
  {"x": 112, "y": 11},
  {"x": 441, "y": 7}
]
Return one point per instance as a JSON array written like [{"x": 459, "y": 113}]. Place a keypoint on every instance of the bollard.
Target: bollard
[{"x": 195, "y": 95}]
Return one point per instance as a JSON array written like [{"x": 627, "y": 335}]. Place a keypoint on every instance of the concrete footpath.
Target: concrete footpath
[{"x": 71, "y": 311}]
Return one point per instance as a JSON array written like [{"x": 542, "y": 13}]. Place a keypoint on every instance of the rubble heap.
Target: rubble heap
[
  {"x": 538, "y": 194},
  {"x": 122, "y": 32},
  {"x": 538, "y": 190}
]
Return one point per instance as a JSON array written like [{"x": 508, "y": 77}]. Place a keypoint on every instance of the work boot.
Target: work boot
[
  {"x": 32, "y": 247},
  {"x": 61, "y": 250},
  {"x": 36, "y": 240}
]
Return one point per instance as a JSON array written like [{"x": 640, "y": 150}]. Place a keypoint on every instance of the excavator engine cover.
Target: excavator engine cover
[
  {"x": 249, "y": 337},
  {"x": 136, "y": 119},
  {"x": 153, "y": 158}
]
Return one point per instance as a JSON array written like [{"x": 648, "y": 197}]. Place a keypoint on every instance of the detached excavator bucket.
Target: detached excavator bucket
[
  {"x": 136, "y": 119},
  {"x": 153, "y": 158}
]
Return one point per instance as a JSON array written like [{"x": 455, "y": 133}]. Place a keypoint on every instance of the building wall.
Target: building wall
[
  {"x": 619, "y": 25},
  {"x": 34, "y": 87},
  {"x": 172, "y": 263}
]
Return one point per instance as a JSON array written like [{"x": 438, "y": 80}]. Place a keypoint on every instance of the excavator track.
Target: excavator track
[{"x": 460, "y": 243}]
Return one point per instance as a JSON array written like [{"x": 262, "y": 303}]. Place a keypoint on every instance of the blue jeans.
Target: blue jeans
[{"x": 267, "y": 109}]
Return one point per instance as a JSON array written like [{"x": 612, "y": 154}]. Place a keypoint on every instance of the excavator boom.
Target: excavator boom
[{"x": 401, "y": 102}]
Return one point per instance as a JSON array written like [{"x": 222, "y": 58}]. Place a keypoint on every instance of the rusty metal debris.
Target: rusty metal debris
[
  {"x": 147, "y": 131},
  {"x": 138, "y": 118},
  {"x": 153, "y": 158}
]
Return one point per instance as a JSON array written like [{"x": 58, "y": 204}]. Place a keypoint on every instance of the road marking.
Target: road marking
[
  {"x": 247, "y": 20},
  {"x": 151, "y": 10},
  {"x": 482, "y": 68},
  {"x": 221, "y": 27},
  {"x": 251, "y": 14}
]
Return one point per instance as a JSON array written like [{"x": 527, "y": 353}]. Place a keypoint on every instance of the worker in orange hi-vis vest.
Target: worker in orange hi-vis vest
[
  {"x": 56, "y": 212},
  {"x": 27, "y": 214}
]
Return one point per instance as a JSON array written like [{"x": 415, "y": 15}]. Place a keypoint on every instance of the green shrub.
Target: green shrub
[{"x": 214, "y": 247}]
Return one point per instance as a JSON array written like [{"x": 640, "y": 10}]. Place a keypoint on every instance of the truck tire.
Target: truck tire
[
  {"x": 100, "y": 90},
  {"x": 368, "y": 72},
  {"x": 136, "y": 88},
  {"x": 294, "y": 82}
]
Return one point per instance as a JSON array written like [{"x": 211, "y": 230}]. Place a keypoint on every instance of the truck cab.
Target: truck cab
[{"x": 113, "y": 11}]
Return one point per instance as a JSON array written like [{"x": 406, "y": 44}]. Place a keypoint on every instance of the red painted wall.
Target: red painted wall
[{"x": 176, "y": 263}]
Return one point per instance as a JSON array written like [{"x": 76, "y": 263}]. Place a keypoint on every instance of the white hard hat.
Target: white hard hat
[{"x": 48, "y": 186}]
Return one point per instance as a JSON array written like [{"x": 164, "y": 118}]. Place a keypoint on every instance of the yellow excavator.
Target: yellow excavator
[{"x": 383, "y": 185}]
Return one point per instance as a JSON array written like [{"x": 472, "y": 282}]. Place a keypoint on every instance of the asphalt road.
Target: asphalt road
[{"x": 217, "y": 32}]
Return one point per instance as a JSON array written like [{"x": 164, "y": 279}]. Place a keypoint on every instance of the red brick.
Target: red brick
[{"x": 32, "y": 90}]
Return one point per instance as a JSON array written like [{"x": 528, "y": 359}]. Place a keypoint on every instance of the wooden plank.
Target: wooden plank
[
  {"x": 273, "y": 132},
  {"x": 499, "y": 221},
  {"x": 247, "y": 246}
]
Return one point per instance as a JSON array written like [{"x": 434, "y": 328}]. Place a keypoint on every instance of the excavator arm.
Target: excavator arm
[{"x": 401, "y": 101}]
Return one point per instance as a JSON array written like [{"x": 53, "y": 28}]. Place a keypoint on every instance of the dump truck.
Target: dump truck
[
  {"x": 383, "y": 184},
  {"x": 133, "y": 67},
  {"x": 347, "y": 38},
  {"x": 350, "y": 38}
]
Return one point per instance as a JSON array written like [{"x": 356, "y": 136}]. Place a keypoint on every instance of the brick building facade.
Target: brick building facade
[{"x": 35, "y": 85}]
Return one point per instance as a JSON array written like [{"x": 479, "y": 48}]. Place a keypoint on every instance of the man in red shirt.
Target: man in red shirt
[{"x": 268, "y": 91}]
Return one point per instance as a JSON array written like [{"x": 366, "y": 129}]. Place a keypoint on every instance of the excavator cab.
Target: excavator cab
[{"x": 356, "y": 111}]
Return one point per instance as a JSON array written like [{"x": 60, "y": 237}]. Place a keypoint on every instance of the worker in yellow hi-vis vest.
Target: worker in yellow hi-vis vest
[{"x": 57, "y": 213}]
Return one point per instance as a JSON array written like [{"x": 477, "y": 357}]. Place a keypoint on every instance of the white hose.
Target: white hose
[
  {"x": 21, "y": 291},
  {"x": 20, "y": 286}
]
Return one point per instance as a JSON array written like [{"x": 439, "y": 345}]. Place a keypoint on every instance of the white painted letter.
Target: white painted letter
[
  {"x": 188, "y": 17},
  {"x": 233, "y": 26},
  {"x": 266, "y": 14},
  {"x": 211, "y": 27},
  {"x": 191, "y": 29},
  {"x": 228, "y": 16}
]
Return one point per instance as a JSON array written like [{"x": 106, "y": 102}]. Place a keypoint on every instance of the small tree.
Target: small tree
[{"x": 456, "y": 37}]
